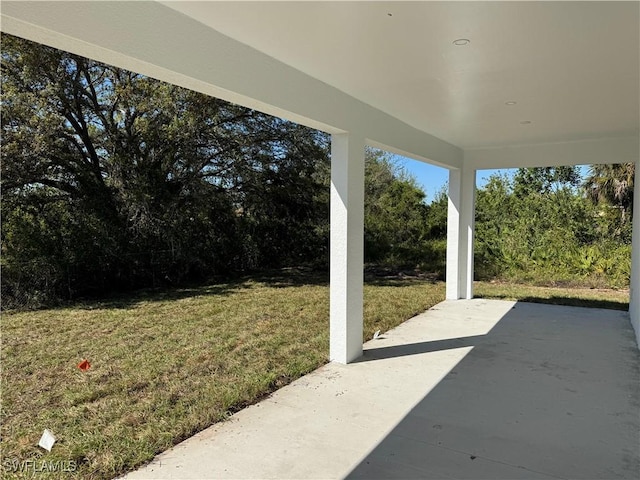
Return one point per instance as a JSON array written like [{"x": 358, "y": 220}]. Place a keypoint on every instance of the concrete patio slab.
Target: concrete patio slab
[{"x": 469, "y": 389}]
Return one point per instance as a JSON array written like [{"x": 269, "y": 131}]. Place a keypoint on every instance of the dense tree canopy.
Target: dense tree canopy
[
  {"x": 611, "y": 188},
  {"x": 395, "y": 214},
  {"x": 121, "y": 178},
  {"x": 541, "y": 225}
]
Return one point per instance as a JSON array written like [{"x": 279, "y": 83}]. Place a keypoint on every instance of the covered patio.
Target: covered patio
[
  {"x": 472, "y": 388},
  {"x": 469, "y": 389}
]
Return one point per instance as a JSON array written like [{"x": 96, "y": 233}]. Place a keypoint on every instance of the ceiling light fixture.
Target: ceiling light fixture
[
  {"x": 510, "y": 102},
  {"x": 461, "y": 41}
]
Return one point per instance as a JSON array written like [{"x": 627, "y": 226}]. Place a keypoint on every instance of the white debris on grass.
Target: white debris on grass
[{"x": 47, "y": 440}]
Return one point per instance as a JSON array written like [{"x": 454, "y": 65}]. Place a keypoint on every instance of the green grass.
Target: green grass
[
  {"x": 576, "y": 297},
  {"x": 166, "y": 365}
]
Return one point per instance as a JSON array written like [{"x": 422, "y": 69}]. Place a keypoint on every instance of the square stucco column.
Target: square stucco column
[
  {"x": 347, "y": 247},
  {"x": 634, "y": 290},
  {"x": 460, "y": 231}
]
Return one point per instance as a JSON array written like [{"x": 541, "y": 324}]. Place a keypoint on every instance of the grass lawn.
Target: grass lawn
[
  {"x": 574, "y": 297},
  {"x": 166, "y": 365}
]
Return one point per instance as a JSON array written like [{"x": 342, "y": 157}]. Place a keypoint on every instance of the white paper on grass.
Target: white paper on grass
[
  {"x": 47, "y": 440},
  {"x": 376, "y": 335}
]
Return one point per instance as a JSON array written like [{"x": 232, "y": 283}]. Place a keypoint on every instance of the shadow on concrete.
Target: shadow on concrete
[
  {"x": 567, "y": 301},
  {"x": 395, "y": 351},
  {"x": 549, "y": 392}
]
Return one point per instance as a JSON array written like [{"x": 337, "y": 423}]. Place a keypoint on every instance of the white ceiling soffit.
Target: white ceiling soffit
[
  {"x": 390, "y": 69},
  {"x": 571, "y": 67}
]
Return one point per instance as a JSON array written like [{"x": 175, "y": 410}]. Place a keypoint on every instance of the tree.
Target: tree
[
  {"x": 494, "y": 204},
  {"x": 539, "y": 227},
  {"x": 545, "y": 179},
  {"x": 613, "y": 185},
  {"x": 138, "y": 180},
  {"x": 395, "y": 214}
]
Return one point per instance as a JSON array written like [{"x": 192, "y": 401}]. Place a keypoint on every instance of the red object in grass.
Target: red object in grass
[{"x": 84, "y": 365}]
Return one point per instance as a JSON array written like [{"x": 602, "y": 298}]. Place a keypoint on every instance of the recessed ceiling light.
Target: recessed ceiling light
[
  {"x": 525, "y": 122},
  {"x": 510, "y": 102},
  {"x": 461, "y": 41}
]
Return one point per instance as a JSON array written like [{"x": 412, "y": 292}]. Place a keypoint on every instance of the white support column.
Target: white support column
[
  {"x": 634, "y": 290},
  {"x": 468, "y": 224},
  {"x": 453, "y": 235},
  {"x": 460, "y": 233},
  {"x": 347, "y": 247}
]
